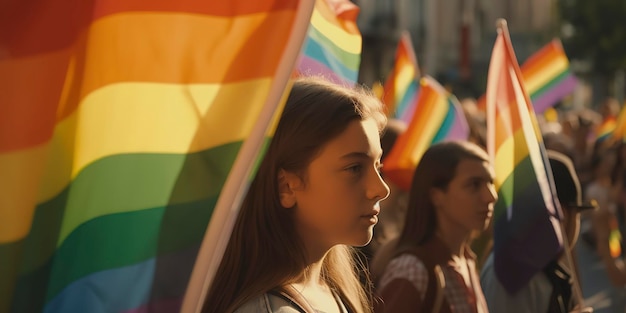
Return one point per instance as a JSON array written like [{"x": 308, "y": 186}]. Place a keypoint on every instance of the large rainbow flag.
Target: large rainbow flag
[
  {"x": 333, "y": 44},
  {"x": 401, "y": 87},
  {"x": 438, "y": 117},
  {"x": 546, "y": 76},
  {"x": 120, "y": 125},
  {"x": 527, "y": 232}
]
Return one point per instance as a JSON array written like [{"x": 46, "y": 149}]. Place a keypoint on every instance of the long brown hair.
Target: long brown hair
[
  {"x": 264, "y": 251},
  {"x": 435, "y": 170}
]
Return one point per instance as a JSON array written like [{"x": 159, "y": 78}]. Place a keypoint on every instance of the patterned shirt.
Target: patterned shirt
[{"x": 408, "y": 268}]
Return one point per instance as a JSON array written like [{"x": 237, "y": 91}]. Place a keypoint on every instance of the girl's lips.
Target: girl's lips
[
  {"x": 487, "y": 213},
  {"x": 371, "y": 218}
]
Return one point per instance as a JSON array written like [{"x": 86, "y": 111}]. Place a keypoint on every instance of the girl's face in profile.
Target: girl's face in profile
[
  {"x": 467, "y": 202},
  {"x": 338, "y": 200}
]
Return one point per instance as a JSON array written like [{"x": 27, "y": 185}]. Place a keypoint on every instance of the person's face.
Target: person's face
[
  {"x": 338, "y": 202},
  {"x": 467, "y": 203}
]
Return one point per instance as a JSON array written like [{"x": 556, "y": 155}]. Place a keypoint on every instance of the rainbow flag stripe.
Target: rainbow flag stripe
[
  {"x": 606, "y": 129},
  {"x": 527, "y": 232},
  {"x": 401, "y": 87},
  {"x": 546, "y": 76},
  {"x": 615, "y": 238},
  {"x": 120, "y": 124},
  {"x": 619, "y": 133},
  {"x": 438, "y": 117},
  {"x": 333, "y": 44}
]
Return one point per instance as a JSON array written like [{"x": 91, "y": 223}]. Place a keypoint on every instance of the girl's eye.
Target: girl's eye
[
  {"x": 476, "y": 184},
  {"x": 357, "y": 168}
]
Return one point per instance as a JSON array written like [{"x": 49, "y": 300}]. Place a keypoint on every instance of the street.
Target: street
[{"x": 596, "y": 288}]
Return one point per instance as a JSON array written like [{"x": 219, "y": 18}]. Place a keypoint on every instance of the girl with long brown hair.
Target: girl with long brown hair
[
  {"x": 316, "y": 194},
  {"x": 430, "y": 267}
]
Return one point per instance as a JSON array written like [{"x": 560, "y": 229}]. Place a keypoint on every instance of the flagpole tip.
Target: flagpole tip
[{"x": 501, "y": 23}]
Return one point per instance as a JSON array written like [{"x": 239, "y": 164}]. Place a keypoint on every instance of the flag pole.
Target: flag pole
[
  {"x": 569, "y": 260},
  {"x": 502, "y": 27},
  {"x": 227, "y": 207}
]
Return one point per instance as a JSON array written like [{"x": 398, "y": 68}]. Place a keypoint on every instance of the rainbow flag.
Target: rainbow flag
[
  {"x": 333, "y": 44},
  {"x": 615, "y": 238},
  {"x": 546, "y": 77},
  {"x": 120, "y": 124},
  {"x": 527, "y": 233},
  {"x": 401, "y": 87},
  {"x": 438, "y": 117},
  {"x": 619, "y": 133},
  {"x": 606, "y": 129}
]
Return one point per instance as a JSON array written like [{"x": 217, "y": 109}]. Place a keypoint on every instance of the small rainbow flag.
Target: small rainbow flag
[
  {"x": 333, "y": 44},
  {"x": 615, "y": 238},
  {"x": 546, "y": 77},
  {"x": 401, "y": 87},
  {"x": 438, "y": 117},
  {"x": 122, "y": 124},
  {"x": 606, "y": 129},
  {"x": 527, "y": 233},
  {"x": 619, "y": 133}
]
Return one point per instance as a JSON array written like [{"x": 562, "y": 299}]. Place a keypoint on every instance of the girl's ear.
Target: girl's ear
[{"x": 287, "y": 182}]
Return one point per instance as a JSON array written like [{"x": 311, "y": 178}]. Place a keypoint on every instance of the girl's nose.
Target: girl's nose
[{"x": 379, "y": 190}]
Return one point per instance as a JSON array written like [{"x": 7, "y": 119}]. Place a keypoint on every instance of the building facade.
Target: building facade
[{"x": 453, "y": 39}]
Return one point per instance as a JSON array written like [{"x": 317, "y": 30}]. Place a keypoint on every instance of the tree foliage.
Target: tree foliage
[{"x": 595, "y": 31}]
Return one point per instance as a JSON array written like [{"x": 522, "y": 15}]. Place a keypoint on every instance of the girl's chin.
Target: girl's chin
[{"x": 365, "y": 240}]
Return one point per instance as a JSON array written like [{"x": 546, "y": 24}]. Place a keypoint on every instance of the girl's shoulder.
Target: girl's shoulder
[
  {"x": 405, "y": 262},
  {"x": 406, "y": 266},
  {"x": 269, "y": 303}
]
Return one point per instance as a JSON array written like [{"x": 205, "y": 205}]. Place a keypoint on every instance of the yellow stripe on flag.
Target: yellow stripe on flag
[
  {"x": 549, "y": 71},
  {"x": 348, "y": 42},
  {"x": 21, "y": 174}
]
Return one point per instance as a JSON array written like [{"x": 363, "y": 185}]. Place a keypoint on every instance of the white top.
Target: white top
[{"x": 532, "y": 298}]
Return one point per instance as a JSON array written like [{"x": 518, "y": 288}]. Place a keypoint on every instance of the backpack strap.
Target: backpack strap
[{"x": 291, "y": 295}]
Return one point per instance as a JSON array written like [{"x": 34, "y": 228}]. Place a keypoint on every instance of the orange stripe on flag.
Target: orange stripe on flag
[
  {"x": 542, "y": 58},
  {"x": 218, "y": 8}
]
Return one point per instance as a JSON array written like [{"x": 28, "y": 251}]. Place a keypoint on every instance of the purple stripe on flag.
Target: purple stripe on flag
[
  {"x": 550, "y": 97},
  {"x": 309, "y": 66},
  {"x": 460, "y": 129},
  {"x": 407, "y": 115},
  {"x": 529, "y": 238},
  {"x": 407, "y": 100}
]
